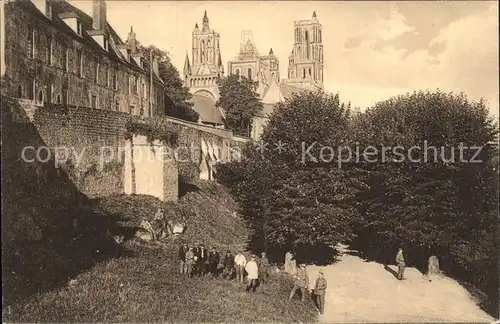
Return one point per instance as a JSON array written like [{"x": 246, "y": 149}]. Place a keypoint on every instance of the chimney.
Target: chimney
[{"x": 98, "y": 14}]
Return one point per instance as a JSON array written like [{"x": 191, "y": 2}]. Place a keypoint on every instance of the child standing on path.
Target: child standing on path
[{"x": 319, "y": 291}]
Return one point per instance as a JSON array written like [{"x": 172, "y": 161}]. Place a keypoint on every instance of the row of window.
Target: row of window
[
  {"x": 40, "y": 97},
  {"x": 249, "y": 73},
  {"x": 316, "y": 35},
  {"x": 111, "y": 76}
]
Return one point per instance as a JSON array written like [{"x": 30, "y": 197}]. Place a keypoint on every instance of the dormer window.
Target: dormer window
[
  {"x": 79, "y": 29},
  {"x": 106, "y": 44}
]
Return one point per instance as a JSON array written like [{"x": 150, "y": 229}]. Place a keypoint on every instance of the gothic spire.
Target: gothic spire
[
  {"x": 187, "y": 66},
  {"x": 205, "y": 22},
  {"x": 220, "y": 65},
  {"x": 314, "y": 14},
  {"x": 271, "y": 51},
  {"x": 196, "y": 26}
]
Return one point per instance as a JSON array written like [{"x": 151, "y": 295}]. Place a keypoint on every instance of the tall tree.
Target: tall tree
[
  {"x": 177, "y": 95},
  {"x": 441, "y": 202},
  {"x": 288, "y": 202},
  {"x": 240, "y": 101}
]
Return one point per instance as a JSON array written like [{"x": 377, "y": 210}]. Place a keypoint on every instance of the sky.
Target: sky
[{"x": 372, "y": 50}]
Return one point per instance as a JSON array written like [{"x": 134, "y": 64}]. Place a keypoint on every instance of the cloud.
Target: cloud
[{"x": 462, "y": 57}]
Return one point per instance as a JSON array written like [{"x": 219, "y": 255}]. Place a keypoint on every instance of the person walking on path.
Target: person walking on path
[
  {"x": 190, "y": 262},
  {"x": 182, "y": 259},
  {"x": 301, "y": 282},
  {"x": 263, "y": 268},
  {"x": 400, "y": 261},
  {"x": 252, "y": 270},
  {"x": 319, "y": 291},
  {"x": 240, "y": 263}
]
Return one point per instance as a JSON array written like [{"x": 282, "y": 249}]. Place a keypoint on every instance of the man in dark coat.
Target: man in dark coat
[
  {"x": 202, "y": 259},
  {"x": 182, "y": 258},
  {"x": 213, "y": 262},
  {"x": 263, "y": 268},
  {"x": 228, "y": 265}
]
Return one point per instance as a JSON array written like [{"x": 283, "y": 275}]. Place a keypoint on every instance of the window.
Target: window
[
  {"x": 115, "y": 84},
  {"x": 131, "y": 110},
  {"x": 107, "y": 77},
  {"x": 249, "y": 74},
  {"x": 105, "y": 43},
  {"x": 79, "y": 28},
  {"x": 307, "y": 44},
  {"x": 117, "y": 106},
  {"x": 40, "y": 96},
  {"x": 202, "y": 51},
  {"x": 93, "y": 101},
  {"x": 310, "y": 72},
  {"x": 31, "y": 42},
  {"x": 50, "y": 93},
  {"x": 31, "y": 89},
  {"x": 79, "y": 60},
  {"x": 66, "y": 60},
  {"x": 49, "y": 49},
  {"x": 58, "y": 99},
  {"x": 237, "y": 72},
  {"x": 135, "y": 85},
  {"x": 96, "y": 71},
  {"x": 129, "y": 84},
  {"x": 19, "y": 91},
  {"x": 304, "y": 73}
]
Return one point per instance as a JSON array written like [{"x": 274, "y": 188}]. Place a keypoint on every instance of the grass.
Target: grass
[
  {"x": 147, "y": 288},
  {"x": 142, "y": 285}
]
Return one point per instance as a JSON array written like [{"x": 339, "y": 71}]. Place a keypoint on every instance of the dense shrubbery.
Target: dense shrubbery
[{"x": 444, "y": 208}]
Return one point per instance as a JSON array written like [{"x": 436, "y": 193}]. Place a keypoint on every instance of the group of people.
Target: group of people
[{"x": 199, "y": 261}]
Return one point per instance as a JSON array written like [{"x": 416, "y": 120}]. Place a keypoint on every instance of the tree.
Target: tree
[
  {"x": 177, "y": 95},
  {"x": 289, "y": 203},
  {"x": 445, "y": 206},
  {"x": 240, "y": 101}
]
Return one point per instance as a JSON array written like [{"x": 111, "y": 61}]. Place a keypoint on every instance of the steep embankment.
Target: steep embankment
[{"x": 207, "y": 208}]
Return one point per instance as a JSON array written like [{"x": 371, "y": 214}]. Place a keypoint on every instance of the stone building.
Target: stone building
[
  {"x": 201, "y": 74},
  {"x": 55, "y": 53},
  {"x": 261, "y": 68},
  {"x": 305, "y": 71}
]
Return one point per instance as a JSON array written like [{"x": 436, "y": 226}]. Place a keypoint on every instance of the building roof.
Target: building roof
[
  {"x": 207, "y": 110},
  {"x": 275, "y": 93},
  {"x": 64, "y": 9}
]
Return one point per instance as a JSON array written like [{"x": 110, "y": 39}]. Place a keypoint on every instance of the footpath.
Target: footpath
[{"x": 360, "y": 291}]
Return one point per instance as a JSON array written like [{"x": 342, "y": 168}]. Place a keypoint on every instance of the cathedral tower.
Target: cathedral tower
[
  {"x": 201, "y": 75},
  {"x": 206, "y": 61},
  {"x": 306, "y": 59}
]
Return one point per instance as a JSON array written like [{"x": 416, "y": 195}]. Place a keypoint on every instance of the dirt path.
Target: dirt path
[{"x": 361, "y": 291}]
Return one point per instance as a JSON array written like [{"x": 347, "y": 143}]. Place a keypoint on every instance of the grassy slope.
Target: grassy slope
[{"x": 145, "y": 286}]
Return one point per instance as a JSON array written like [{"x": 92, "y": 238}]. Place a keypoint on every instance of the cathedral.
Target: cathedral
[
  {"x": 305, "y": 70},
  {"x": 248, "y": 62}
]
